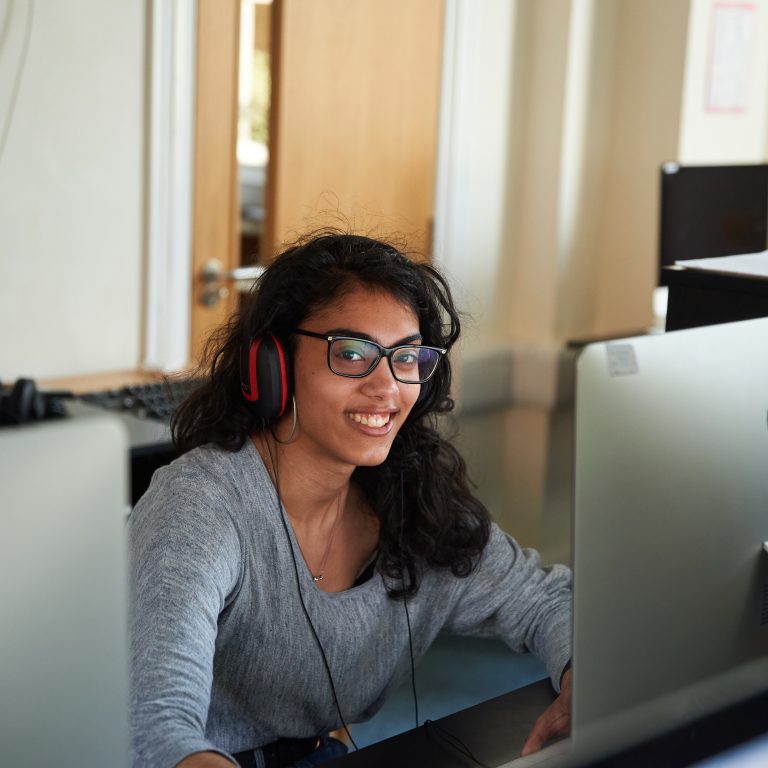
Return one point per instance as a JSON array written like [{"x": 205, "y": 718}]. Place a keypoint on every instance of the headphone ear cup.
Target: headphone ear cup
[
  {"x": 25, "y": 403},
  {"x": 5, "y": 397},
  {"x": 265, "y": 376}
]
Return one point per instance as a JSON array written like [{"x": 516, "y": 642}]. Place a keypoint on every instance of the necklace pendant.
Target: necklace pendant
[{"x": 319, "y": 577}]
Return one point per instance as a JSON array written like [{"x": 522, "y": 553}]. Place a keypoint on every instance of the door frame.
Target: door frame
[
  {"x": 192, "y": 195},
  {"x": 171, "y": 95}
]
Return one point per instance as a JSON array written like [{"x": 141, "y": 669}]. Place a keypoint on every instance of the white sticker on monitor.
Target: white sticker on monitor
[{"x": 621, "y": 359}]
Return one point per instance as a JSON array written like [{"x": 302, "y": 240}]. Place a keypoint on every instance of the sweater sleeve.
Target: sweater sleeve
[
  {"x": 184, "y": 561},
  {"x": 511, "y": 596}
]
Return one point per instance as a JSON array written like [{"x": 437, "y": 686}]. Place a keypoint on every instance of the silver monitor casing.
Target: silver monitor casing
[
  {"x": 670, "y": 517},
  {"x": 63, "y": 641}
]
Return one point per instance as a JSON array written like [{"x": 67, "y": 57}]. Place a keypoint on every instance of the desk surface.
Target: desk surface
[
  {"x": 697, "y": 297},
  {"x": 144, "y": 434},
  {"x": 95, "y": 382},
  {"x": 493, "y": 731}
]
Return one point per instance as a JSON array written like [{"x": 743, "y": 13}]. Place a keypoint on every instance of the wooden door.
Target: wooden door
[
  {"x": 353, "y": 128},
  {"x": 215, "y": 224},
  {"x": 354, "y": 117}
]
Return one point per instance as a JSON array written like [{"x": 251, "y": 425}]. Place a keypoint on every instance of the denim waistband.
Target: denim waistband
[{"x": 279, "y": 754}]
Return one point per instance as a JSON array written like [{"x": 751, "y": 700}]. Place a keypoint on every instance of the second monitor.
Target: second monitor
[{"x": 715, "y": 210}]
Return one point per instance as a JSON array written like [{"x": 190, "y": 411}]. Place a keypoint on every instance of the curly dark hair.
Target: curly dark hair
[{"x": 421, "y": 495}]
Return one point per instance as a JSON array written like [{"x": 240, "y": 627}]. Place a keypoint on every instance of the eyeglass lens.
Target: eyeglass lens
[{"x": 356, "y": 357}]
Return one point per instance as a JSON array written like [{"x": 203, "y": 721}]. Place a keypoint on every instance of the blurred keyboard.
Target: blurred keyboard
[{"x": 157, "y": 400}]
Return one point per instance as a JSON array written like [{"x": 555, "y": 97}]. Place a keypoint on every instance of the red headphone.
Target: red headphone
[{"x": 265, "y": 376}]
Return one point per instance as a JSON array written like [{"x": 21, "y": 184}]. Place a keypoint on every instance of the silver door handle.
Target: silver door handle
[{"x": 213, "y": 275}]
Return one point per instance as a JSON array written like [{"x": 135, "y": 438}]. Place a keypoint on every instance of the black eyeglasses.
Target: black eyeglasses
[{"x": 356, "y": 358}]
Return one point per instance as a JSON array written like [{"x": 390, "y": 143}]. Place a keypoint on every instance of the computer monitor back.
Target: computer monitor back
[
  {"x": 63, "y": 641},
  {"x": 671, "y": 512}
]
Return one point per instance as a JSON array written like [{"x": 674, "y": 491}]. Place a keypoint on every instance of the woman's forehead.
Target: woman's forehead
[{"x": 364, "y": 306}]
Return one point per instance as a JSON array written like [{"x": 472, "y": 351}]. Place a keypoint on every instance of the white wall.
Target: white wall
[
  {"x": 714, "y": 131},
  {"x": 72, "y": 187},
  {"x": 556, "y": 114},
  {"x": 557, "y": 118},
  {"x": 473, "y": 151},
  {"x": 641, "y": 126},
  {"x": 561, "y": 112}
]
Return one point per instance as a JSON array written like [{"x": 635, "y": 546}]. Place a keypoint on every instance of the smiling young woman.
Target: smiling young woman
[{"x": 318, "y": 532}]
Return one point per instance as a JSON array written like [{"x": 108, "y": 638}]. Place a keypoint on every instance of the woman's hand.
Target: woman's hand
[{"x": 555, "y": 721}]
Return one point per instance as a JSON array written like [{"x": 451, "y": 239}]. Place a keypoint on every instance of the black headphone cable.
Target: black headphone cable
[
  {"x": 281, "y": 511},
  {"x": 405, "y": 602},
  {"x": 441, "y": 734},
  {"x": 431, "y": 728}
]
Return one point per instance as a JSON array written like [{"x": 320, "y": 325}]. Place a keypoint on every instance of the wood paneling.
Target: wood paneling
[{"x": 355, "y": 101}]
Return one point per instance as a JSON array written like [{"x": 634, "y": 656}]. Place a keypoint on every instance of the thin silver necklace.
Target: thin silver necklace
[
  {"x": 321, "y": 575},
  {"x": 273, "y": 476}
]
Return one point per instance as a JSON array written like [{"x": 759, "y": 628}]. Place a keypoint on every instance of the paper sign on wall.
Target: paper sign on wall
[{"x": 730, "y": 57}]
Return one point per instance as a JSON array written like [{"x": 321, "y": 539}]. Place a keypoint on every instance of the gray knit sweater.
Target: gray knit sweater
[{"x": 223, "y": 657}]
